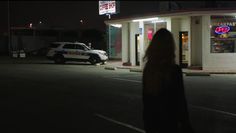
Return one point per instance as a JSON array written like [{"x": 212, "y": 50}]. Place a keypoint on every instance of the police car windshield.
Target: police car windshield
[{"x": 86, "y": 47}]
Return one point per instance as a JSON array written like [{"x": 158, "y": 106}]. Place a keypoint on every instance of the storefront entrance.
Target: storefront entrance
[
  {"x": 137, "y": 50},
  {"x": 183, "y": 49}
]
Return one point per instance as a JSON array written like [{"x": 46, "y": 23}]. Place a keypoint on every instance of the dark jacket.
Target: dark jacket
[{"x": 164, "y": 104}]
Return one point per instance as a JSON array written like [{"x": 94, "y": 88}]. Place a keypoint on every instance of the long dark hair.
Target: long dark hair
[
  {"x": 159, "y": 57},
  {"x": 161, "y": 50}
]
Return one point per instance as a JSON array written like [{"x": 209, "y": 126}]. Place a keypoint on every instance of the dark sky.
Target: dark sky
[
  {"x": 58, "y": 14},
  {"x": 65, "y": 14}
]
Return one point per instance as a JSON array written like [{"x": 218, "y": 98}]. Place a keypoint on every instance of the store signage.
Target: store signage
[
  {"x": 150, "y": 34},
  {"x": 224, "y": 23},
  {"x": 140, "y": 31},
  {"x": 107, "y": 7},
  {"x": 222, "y": 29}
]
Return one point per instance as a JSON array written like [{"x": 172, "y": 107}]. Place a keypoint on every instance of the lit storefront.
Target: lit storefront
[
  {"x": 150, "y": 27},
  {"x": 204, "y": 40},
  {"x": 223, "y": 34},
  {"x": 114, "y": 41}
]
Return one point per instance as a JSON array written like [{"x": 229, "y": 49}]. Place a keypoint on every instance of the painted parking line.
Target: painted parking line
[
  {"x": 193, "y": 106},
  {"x": 120, "y": 123},
  {"x": 128, "y": 80},
  {"x": 214, "y": 110}
]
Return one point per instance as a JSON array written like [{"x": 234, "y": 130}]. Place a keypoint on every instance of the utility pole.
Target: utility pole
[{"x": 9, "y": 28}]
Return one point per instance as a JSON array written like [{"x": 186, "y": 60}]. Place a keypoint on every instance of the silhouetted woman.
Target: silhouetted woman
[{"x": 164, "y": 103}]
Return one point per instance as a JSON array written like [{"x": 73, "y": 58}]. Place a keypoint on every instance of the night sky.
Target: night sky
[
  {"x": 57, "y": 14},
  {"x": 65, "y": 14}
]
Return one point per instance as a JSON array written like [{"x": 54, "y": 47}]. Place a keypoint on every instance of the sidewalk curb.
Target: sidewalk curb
[
  {"x": 197, "y": 74},
  {"x": 110, "y": 68},
  {"x": 222, "y": 72},
  {"x": 135, "y": 70},
  {"x": 121, "y": 67}
]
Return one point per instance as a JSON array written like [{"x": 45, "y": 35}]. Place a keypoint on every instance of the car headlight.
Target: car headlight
[{"x": 103, "y": 53}]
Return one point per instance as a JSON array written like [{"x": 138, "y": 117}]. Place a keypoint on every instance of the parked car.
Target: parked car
[{"x": 61, "y": 52}]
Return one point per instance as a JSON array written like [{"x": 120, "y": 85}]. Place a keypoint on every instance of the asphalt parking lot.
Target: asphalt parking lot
[{"x": 74, "y": 97}]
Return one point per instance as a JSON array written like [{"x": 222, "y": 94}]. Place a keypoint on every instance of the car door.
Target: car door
[
  {"x": 81, "y": 52},
  {"x": 69, "y": 51}
]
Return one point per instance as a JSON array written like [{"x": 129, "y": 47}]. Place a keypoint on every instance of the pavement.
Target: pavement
[
  {"x": 110, "y": 65},
  {"x": 113, "y": 65}
]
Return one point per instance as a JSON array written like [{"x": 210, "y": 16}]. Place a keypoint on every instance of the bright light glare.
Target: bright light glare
[
  {"x": 116, "y": 25},
  {"x": 146, "y": 19},
  {"x": 30, "y": 25},
  {"x": 158, "y": 21}
]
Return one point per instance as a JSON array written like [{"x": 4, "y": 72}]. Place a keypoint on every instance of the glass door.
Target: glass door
[{"x": 183, "y": 49}]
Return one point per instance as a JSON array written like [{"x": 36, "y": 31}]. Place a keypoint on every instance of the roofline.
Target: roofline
[{"x": 173, "y": 13}]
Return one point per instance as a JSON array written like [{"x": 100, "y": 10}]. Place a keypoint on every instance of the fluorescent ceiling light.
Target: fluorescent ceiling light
[
  {"x": 146, "y": 19},
  {"x": 116, "y": 25},
  {"x": 158, "y": 21}
]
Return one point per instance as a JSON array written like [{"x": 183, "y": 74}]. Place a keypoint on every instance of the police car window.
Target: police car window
[
  {"x": 80, "y": 47},
  {"x": 69, "y": 46},
  {"x": 86, "y": 47}
]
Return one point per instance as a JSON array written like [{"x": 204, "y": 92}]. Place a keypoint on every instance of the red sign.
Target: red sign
[
  {"x": 150, "y": 34},
  {"x": 107, "y": 7},
  {"x": 222, "y": 29}
]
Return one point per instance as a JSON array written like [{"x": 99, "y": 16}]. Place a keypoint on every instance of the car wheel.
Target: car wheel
[
  {"x": 93, "y": 60},
  {"x": 59, "y": 59},
  {"x": 104, "y": 62}
]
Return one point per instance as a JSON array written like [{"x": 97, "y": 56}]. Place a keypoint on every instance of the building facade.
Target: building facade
[{"x": 204, "y": 39}]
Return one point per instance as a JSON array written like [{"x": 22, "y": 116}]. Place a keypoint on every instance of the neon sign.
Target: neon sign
[
  {"x": 222, "y": 29},
  {"x": 150, "y": 34}
]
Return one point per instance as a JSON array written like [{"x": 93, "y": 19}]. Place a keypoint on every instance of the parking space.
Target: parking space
[{"x": 71, "y": 94}]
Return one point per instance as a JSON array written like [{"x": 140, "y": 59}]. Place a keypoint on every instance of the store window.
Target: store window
[
  {"x": 149, "y": 32},
  {"x": 115, "y": 42},
  {"x": 160, "y": 25},
  {"x": 223, "y": 34},
  {"x": 150, "y": 28}
]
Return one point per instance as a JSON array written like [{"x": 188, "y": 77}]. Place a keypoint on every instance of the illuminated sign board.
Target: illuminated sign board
[
  {"x": 222, "y": 29},
  {"x": 107, "y": 7},
  {"x": 150, "y": 34}
]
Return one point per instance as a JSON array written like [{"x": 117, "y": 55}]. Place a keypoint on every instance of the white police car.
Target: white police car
[{"x": 61, "y": 52}]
